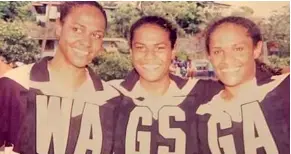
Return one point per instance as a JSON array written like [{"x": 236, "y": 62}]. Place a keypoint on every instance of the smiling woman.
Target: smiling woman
[
  {"x": 152, "y": 40},
  {"x": 233, "y": 57},
  {"x": 80, "y": 36},
  {"x": 57, "y": 104},
  {"x": 251, "y": 114}
]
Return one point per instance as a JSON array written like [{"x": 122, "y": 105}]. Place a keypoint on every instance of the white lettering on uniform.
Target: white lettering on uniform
[
  {"x": 174, "y": 133},
  {"x": 225, "y": 142},
  {"x": 53, "y": 119},
  {"x": 253, "y": 119},
  {"x": 144, "y": 138},
  {"x": 90, "y": 122}
]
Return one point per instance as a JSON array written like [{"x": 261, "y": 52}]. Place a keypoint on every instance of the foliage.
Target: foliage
[
  {"x": 112, "y": 66},
  {"x": 210, "y": 15},
  {"x": 187, "y": 15},
  {"x": 276, "y": 61},
  {"x": 13, "y": 10},
  {"x": 15, "y": 44},
  {"x": 269, "y": 68},
  {"x": 277, "y": 28},
  {"x": 182, "y": 55},
  {"x": 122, "y": 18}
]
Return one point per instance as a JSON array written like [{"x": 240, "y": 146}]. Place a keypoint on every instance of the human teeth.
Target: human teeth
[
  {"x": 82, "y": 52},
  {"x": 230, "y": 70},
  {"x": 150, "y": 66}
]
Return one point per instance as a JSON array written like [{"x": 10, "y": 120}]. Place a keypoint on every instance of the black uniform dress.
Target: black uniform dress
[
  {"x": 161, "y": 124},
  {"x": 256, "y": 122},
  {"x": 37, "y": 118}
]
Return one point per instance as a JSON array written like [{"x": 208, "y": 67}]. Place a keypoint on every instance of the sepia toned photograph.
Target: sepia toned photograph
[{"x": 144, "y": 77}]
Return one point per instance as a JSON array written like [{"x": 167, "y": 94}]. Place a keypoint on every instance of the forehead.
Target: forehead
[
  {"x": 228, "y": 34},
  {"x": 86, "y": 14},
  {"x": 151, "y": 32}
]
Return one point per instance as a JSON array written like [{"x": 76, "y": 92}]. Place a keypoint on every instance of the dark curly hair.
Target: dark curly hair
[
  {"x": 67, "y": 6},
  {"x": 253, "y": 30},
  {"x": 155, "y": 20}
]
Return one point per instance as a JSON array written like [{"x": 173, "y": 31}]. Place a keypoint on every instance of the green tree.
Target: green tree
[
  {"x": 187, "y": 15},
  {"x": 15, "y": 44},
  {"x": 280, "y": 62},
  {"x": 112, "y": 66},
  {"x": 13, "y": 10},
  {"x": 182, "y": 55},
  {"x": 122, "y": 18},
  {"x": 276, "y": 28}
]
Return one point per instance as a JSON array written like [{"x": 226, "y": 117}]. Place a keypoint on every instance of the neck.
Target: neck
[
  {"x": 65, "y": 73},
  {"x": 4, "y": 68},
  {"x": 232, "y": 91},
  {"x": 157, "y": 88}
]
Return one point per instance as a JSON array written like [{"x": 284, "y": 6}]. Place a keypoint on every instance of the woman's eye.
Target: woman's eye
[
  {"x": 161, "y": 48},
  {"x": 216, "y": 52},
  {"x": 76, "y": 29},
  {"x": 239, "y": 49},
  {"x": 97, "y": 36},
  {"x": 139, "y": 47}
]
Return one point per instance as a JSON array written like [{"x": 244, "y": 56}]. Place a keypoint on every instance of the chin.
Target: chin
[
  {"x": 79, "y": 64},
  {"x": 230, "y": 82},
  {"x": 151, "y": 78}
]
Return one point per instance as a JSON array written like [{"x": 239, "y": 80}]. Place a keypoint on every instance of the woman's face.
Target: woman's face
[{"x": 232, "y": 53}]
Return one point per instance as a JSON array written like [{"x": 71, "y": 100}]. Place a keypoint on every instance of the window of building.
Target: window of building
[{"x": 41, "y": 9}]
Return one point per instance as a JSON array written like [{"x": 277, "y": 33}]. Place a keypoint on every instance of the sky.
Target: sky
[{"x": 261, "y": 8}]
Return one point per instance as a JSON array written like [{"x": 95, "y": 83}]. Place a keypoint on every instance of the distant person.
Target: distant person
[
  {"x": 174, "y": 69},
  {"x": 251, "y": 115},
  {"x": 190, "y": 68}
]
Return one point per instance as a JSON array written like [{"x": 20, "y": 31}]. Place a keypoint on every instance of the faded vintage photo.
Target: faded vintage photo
[{"x": 144, "y": 77}]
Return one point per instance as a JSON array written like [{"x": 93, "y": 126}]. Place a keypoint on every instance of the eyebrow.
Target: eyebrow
[
  {"x": 161, "y": 43},
  {"x": 97, "y": 30},
  {"x": 238, "y": 43},
  {"x": 137, "y": 43},
  {"x": 216, "y": 48}
]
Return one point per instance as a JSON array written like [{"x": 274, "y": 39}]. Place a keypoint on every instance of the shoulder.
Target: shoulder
[
  {"x": 278, "y": 82},
  {"x": 205, "y": 90},
  {"x": 117, "y": 84},
  {"x": 18, "y": 76},
  {"x": 110, "y": 89},
  {"x": 279, "y": 85},
  {"x": 209, "y": 85}
]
